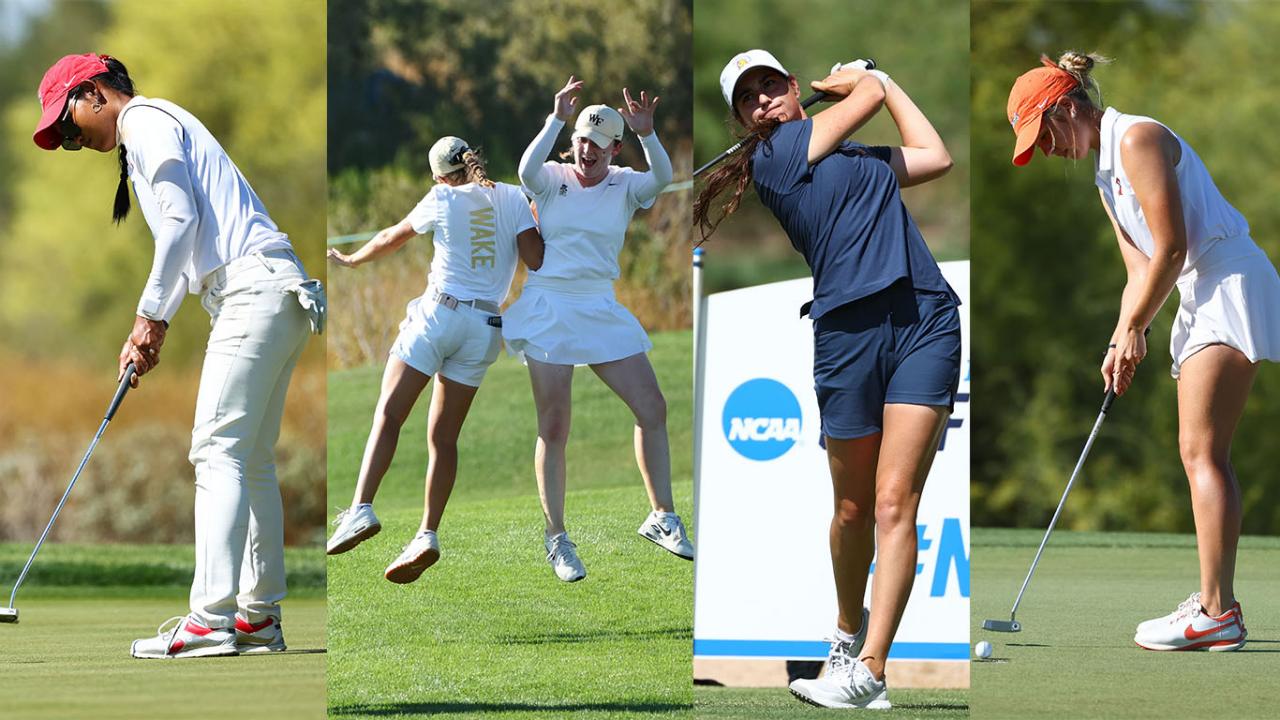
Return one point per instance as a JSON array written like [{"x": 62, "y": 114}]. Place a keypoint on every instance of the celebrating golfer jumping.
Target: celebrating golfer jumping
[
  {"x": 451, "y": 333},
  {"x": 886, "y": 329},
  {"x": 567, "y": 315},
  {"x": 213, "y": 236},
  {"x": 1174, "y": 229}
]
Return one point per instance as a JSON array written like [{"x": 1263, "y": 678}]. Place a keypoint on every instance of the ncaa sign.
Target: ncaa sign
[{"x": 761, "y": 419}]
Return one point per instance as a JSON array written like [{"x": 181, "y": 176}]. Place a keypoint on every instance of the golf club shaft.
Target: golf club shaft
[
  {"x": 869, "y": 63},
  {"x": 1097, "y": 425},
  {"x": 111, "y": 411},
  {"x": 816, "y": 97}
]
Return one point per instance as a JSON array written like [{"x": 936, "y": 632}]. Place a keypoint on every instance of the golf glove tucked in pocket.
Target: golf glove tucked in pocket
[{"x": 312, "y": 299}]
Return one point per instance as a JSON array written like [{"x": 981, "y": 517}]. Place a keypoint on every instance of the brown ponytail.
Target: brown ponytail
[
  {"x": 475, "y": 168},
  {"x": 737, "y": 173}
]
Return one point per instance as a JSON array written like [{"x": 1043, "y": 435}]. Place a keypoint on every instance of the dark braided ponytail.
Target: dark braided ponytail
[{"x": 117, "y": 78}]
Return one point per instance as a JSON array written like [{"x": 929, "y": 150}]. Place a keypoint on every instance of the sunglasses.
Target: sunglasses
[{"x": 67, "y": 128}]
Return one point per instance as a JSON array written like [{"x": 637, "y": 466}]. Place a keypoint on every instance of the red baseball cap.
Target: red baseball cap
[
  {"x": 1034, "y": 92},
  {"x": 58, "y": 81}
]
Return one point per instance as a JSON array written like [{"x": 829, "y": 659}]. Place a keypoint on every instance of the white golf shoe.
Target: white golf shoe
[
  {"x": 847, "y": 684},
  {"x": 263, "y": 637},
  {"x": 353, "y": 526},
  {"x": 1189, "y": 627},
  {"x": 185, "y": 637},
  {"x": 666, "y": 530},
  {"x": 421, "y": 553},
  {"x": 563, "y": 556}
]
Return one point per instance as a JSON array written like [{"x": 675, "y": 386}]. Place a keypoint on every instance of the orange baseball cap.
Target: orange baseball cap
[{"x": 1034, "y": 92}]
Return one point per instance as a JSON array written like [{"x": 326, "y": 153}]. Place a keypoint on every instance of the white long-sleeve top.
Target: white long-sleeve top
[
  {"x": 584, "y": 226},
  {"x": 202, "y": 212}
]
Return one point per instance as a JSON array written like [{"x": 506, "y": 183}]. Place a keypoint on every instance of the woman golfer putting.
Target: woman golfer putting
[
  {"x": 212, "y": 236},
  {"x": 1173, "y": 228},
  {"x": 567, "y": 315},
  {"x": 886, "y": 329},
  {"x": 451, "y": 332}
]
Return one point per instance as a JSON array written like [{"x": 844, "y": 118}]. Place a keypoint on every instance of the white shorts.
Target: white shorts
[
  {"x": 572, "y": 324},
  {"x": 458, "y": 343},
  {"x": 1230, "y": 298}
]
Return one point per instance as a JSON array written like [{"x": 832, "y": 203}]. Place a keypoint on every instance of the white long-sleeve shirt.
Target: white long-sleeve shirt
[
  {"x": 202, "y": 212},
  {"x": 584, "y": 226}
]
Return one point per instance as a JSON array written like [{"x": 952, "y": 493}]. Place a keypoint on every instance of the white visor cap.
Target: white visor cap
[
  {"x": 600, "y": 124},
  {"x": 740, "y": 64},
  {"x": 446, "y": 155}
]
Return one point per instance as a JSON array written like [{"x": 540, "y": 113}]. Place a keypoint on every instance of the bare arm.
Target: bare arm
[
  {"x": 923, "y": 156},
  {"x": 1150, "y": 153},
  {"x": 1135, "y": 264},
  {"x": 530, "y": 245},
  {"x": 386, "y": 241},
  {"x": 862, "y": 95}
]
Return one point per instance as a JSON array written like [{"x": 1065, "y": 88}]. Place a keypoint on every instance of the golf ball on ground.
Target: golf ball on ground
[{"x": 982, "y": 649}]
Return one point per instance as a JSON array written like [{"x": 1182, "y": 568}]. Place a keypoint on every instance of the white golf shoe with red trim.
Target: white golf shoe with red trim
[
  {"x": 185, "y": 637},
  {"x": 1190, "y": 627},
  {"x": 262, "y": 637}
]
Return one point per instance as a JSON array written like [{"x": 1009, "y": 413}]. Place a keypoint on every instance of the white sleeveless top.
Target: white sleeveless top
[{"x": 1209, "y": 218}]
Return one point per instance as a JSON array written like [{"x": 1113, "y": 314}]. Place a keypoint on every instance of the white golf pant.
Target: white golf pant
[{"x": 259, "y": 331}]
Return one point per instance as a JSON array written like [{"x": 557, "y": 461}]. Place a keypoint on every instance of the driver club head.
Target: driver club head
[
  {"x": 1007, "y": 626},
  {"x": 8, "y": 615}
]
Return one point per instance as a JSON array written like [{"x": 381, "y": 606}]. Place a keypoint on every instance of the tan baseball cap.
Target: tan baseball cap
[
  {"x": 740, "y": 64},
  {"x": 446, "y": 155},
  {"x": 600, "y": 124}
]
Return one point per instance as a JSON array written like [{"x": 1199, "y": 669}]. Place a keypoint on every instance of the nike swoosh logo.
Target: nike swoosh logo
[{"x": 1193, "y": 634}]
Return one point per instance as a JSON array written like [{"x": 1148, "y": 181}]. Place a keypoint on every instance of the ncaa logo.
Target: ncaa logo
[{"x": 761, "y": 419}]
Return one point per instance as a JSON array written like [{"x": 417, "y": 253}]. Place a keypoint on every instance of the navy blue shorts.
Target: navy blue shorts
[{"x": 899, "y": 345}]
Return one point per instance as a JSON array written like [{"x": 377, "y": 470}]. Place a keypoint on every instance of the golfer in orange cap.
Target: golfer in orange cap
[{"x": 1173, "y": 228}]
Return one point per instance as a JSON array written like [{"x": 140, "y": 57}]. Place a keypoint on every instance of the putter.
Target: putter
[
  {"x": 10, "y": 614},
  {"x": 1012, "y": 625},
  {"x": 868, "y": 64}
]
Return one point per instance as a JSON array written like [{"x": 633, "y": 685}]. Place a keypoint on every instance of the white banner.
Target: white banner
[{"x": 763, "y": 586}]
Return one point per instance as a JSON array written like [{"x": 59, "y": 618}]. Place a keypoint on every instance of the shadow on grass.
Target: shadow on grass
[
  {"x": 674, "y": 633},
  {"x": 446, "y": 708},
  {"x": 930, "y": 706}
]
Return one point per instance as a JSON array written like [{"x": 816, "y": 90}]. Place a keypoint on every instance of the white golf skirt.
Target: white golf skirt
[
  {"x": 1231, "y": 297},
  {"x": 572, "y": 323}
]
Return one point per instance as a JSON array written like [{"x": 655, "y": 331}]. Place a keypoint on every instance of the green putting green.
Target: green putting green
[
  {"x": 1075, "y": 656},
  {"x": 82, "y": 606},
  {"x": 489, "y": 630}
]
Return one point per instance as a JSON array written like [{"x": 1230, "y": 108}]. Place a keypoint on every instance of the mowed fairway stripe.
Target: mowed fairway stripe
[
  {"x": 70, "y": 659},
  {"x": 489, "y": 629},
  {"x": 1075, "y": 656}
]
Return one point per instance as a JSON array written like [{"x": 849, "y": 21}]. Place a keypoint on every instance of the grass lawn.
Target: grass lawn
[
  {"x": 768, "y": 703},
  {"x": 489, "y": 630},
  {"x": 1075, "y": 656},
  {"x": 82, "y": 606}
]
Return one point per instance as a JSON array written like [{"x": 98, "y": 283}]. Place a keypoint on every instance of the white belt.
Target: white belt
[{"x": 452, "y": 302}]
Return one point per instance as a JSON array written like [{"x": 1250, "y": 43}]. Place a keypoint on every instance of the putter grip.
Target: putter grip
[
  {"x": 129, "y": 372},
  {"x": 1110, "y": 398}
]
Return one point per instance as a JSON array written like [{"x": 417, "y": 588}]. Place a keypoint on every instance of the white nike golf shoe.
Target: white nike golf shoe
[
  {"x": 421, "y": 553},
  {"x": 563, "y": 556},
  {"x": 847, "y": 684},
  {"x": 665, "y": 529},
  {"x": 263, "y": 637},
  {"x": 353, "y": 526},
  {"x": 1189, "y": 627},
  {"x": 185, "y": 637},
  {"x": 837, "y": 687}
]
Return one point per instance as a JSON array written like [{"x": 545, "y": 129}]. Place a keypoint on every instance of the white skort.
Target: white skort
[
  {"x": 572, "y": 323},
  {"x": 1231, "y": 297},
  {"x": 458, "y": 343}
]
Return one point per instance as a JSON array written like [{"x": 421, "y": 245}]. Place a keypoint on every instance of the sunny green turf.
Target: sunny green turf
[
  {"x": 716, "y": 703},
  {"x": 70, "y": 659},
  {"x": 489, "y": 630},
  {"x": 496, "y": 445},
  {"x": 1075, "y": 656}
]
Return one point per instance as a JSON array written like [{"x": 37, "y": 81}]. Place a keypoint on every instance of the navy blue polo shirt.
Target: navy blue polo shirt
[{"x": 845, "y": 215}]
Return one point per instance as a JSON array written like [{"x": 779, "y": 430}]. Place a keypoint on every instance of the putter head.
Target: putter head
[
  {"x": 8, "y": 615},
  {"x": 1008, "y": 626}
]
